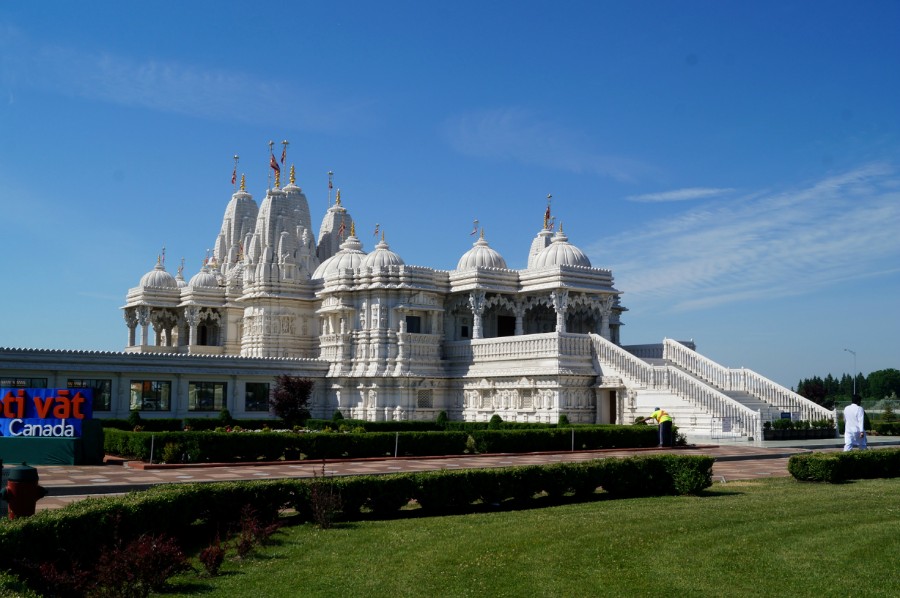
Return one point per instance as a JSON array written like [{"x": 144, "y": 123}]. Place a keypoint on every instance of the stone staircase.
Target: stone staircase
[{"x": 705, "y": 399}]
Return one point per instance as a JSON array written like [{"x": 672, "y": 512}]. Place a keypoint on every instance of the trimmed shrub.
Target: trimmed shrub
[
  {"x": 167, "y": 515},
  {"x": 841, "y": 467}
]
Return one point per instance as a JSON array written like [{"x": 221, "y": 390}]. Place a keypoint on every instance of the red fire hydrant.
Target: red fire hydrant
[{"x": 22, "y": 491}]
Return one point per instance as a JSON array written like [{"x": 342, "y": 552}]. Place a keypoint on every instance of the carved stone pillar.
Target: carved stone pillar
[
  {"x": 605, "y": 313},
  {"x": 143, "y": 317},
  {"x": 131, "y": 322},
  {"x": 476, "y": 303},
  {"x": 560, "y": 304},
  {"x": 192, "y": 318},
  {"x": 519, "y": 312}
]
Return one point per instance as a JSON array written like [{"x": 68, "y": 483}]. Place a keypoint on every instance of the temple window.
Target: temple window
[
  {"x": 414, "y": 324},
  {"x": 23, "y": 382},
  {"x": 206, "y": 396},
  {"x": 424, "y": 399},
  {"x": 102, "y": 391},
  {"x": 256, "y": 397},
  {"x": 151, "y": 395}
]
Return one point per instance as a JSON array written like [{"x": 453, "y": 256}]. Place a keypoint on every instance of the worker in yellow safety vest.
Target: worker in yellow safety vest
[{"x": 665, "y": 426}]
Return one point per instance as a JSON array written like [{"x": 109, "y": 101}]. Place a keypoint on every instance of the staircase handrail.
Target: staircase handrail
[
  {"x": 626, "y": 364},
  {"x": 743, "y": 419},
  {"x": 742, "y": 380},
  {"x": 671, "y": 378}
]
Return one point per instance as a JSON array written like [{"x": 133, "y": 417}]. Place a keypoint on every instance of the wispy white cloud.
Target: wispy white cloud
[
  {"x": 690, "y": 194},
  {"x": 520, "y": 135},
  {"x": 763, "y": 245},
  {"x": 167, "y": 86}
]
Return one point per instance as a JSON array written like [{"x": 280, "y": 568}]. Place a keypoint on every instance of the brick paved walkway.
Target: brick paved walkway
[
  {"x": 69, "y": 483},
  {"x": 65, "y": 484}
]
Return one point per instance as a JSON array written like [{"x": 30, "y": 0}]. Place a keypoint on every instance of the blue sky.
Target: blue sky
[{"x": 737, "y": 165}]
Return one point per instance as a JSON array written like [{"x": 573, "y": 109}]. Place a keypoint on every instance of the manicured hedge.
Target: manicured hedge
[
  {"x": 179, "y": 510},
  {"x": 172, "y": 424},
  {"x": 217, "y": 447},
  {"x": 423, "y": 426},
  {"x": 224, "y": 447},
  {"x": 842, "y": 467},
  {"x": 560, "y": 439},
  {"x": 888, "y": 428}
]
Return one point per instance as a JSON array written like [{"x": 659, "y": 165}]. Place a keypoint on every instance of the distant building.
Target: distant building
[{"x": 385, "y": 340}]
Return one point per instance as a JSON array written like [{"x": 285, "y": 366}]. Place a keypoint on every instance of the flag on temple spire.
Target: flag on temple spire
[
  {"x": 284, "y": 145},
  {"x": 547, "y": 219},
  {"x": 474, "y": 228},
  {"x": 377, "y": 228},
  {"x": 234, "y": 172},
  {"x": 273, "y": 164}
]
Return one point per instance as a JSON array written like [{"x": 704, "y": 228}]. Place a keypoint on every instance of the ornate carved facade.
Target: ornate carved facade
[{"x": 399, "y": 341}]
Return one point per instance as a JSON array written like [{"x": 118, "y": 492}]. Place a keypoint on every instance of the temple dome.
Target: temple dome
[
  {"x": 349, "y": 257},
  {"x": 382, "y": 257},
  {"x": 159, "y": 278},
  {"x": 560, "y": 253},
  {"x": 204, "y": 279},
  {"x": 481, "y": 256}
]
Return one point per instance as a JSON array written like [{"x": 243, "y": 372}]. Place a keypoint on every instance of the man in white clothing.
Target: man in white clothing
[{"x": 854, "y": 425}]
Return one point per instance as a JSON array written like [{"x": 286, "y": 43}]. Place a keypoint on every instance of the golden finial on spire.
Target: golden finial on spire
[
  {"x": 277, "y": 179},
  {"x": 337, "y": 200},
  {"x": 181, "y": 268},
  {"x": 243, "y": 182},
  {"x": 560, "y": 227},
  {"x": 382, "y": 236},
  {"x": 352, "y": 229},
  {"x": 293, "y": 178},
  {"x": 482, "y": 233}
]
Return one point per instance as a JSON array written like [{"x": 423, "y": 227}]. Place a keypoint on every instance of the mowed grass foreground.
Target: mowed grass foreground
[{"x": 775, "y": 537}]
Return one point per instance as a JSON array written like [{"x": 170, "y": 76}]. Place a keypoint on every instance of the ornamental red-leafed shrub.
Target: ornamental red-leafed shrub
[{"x": 290, "y": 399}]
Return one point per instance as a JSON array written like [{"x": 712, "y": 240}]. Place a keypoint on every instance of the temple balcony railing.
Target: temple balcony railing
[
  {"x": 551, "y": 345},
  {"x": 742, "y": 380},
  {"x": 420, "y": 347}
]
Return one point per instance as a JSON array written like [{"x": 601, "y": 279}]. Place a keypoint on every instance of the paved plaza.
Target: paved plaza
[{"x": 737, "y": 461}]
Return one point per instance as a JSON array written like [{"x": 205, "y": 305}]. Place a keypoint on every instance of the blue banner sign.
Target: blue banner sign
[{"x": 35, "y": 412}]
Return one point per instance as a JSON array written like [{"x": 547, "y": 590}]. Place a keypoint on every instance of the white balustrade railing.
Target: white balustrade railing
[
  {"x": 744, "y": 420},
  {"x": 742, "y": 380},
  {"x": 627, "y": 364},
  {"x": 530, "y": 346}
]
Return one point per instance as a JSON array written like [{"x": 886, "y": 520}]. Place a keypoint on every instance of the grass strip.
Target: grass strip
[{"x": 775, "y": 537}]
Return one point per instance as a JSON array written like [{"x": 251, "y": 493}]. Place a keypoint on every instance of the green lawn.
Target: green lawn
[{"x": 774, "y": 537}]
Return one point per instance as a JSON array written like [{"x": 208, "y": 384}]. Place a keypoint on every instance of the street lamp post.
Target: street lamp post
[{"x": 852, "y": 352}]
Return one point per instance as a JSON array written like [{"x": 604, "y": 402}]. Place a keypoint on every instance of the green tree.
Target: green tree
[
  {"x": 290, "y": 398},
  {"x": 882, "y": 383},
  {"x": 812, "y": 389}
]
